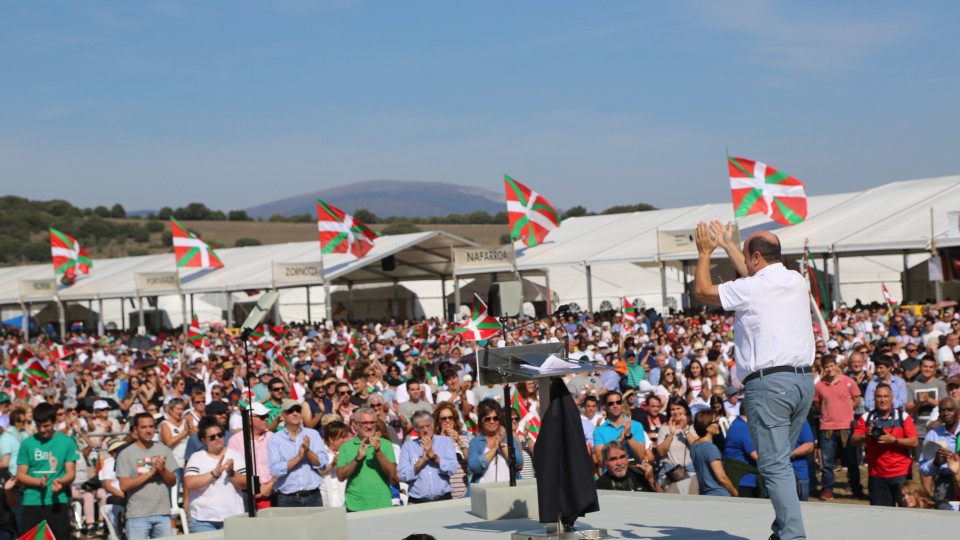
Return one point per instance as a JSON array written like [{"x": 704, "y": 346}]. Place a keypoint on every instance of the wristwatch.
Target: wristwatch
[{"x": 628, "y": 436}]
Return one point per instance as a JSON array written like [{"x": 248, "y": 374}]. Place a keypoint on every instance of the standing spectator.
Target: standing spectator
[
  {"x": 332, "y": 490},
  {"x": 175, "y": 429},
  {"x": 798, "y": 458},
  {"x": 673, "y": 445},
  {"x": 884, "y": 374},
  {"x": 11, "y": 438},
  {"x": 275, "y": 403},
  {"x": 297, "y": 454},
  {"x": 368, "y": 465},
  {"x": 619, "y": 427},
  {"x": 215, "y": 478},
  {"x": 890, "y": 436},
  {"x": 261, "y": 439},
  {"x": 924, "y": 393},
  {"x": 706, "y": 458},
  {"x": 427, "y": 461},
  {"x": 488, "y": 452},
  {"x": 620, "y": 476},
  {"x": 221, "y": 412},
  {"x": 835, "y": 397},
  {"x": 447, "y": 422},
  {"x": 414, "y": 403},
  {"x": 775, "y": 352},
  {"x": 652, "y": 417},
  {"x": 934, "y": 470},
  {"x": 147, "y": 471},
  {"x": 46, "y": 466}
]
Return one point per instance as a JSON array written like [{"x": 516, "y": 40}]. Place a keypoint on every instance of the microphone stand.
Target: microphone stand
[{"x": 246, "y": 418}]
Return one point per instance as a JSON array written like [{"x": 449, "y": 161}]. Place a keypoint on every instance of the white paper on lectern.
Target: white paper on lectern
[{"x": 552, "y": 363}]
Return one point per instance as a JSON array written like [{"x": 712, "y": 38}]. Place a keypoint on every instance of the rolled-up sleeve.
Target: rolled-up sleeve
[
  {"x": 320, "y": 449},
  {"x": 405, "y": 465},
  {"x": 476, "y": 459},
  {"x": 448, "y": 456}
]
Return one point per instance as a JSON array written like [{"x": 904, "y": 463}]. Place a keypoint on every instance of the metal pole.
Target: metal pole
[
  {"x": 443, "y": 298},
  {"x": 192, "y": 309},
  {"x": 685, "y": 301},
  {"x": 328, "y": 300},
  {"x": 905, "y": 279},
  {"x": 546, "y": 276},
  {"x": 836, "y": 280},
  {"x": 123, "y": 314},
  {"x": 186, "y": 316},
  {"x": 63, "y": 319},
  {"x": 90, "y": 315},
  {"x": 229, "y": 309},
  {"x": 589, "y": 289},
  {"x": 309, "y": 317},
  {"x": 663, "y": 286},
  {"x": 396, "y": 298},
  {"x": 246, "y": 419},
  {"x": 143, "y": 323},
  {"x": 456, "y": 297},
  {"x": 826, "y": 275},
  {"x": 100, "y": 326},
  {"x": 25, "y": 320},
  {"x": 349, "y": 299}
]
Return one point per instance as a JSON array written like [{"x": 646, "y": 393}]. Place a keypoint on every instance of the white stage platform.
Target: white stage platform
[{"x": 641, "y": 516}]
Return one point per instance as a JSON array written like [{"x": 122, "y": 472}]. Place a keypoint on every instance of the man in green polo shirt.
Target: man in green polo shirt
[
  {"x": 46, "y": 465},
  {"x": 367, "y": 464}
]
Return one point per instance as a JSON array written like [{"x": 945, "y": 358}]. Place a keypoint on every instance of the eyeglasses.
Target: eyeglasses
[
  {"x": 367, "y": 423},
  {"x": 277, "y": 389},
  {"x": 215, "y": 436},
  {"x": 376, "y": 405},
  {"x": 199, "y": 402},
  {"x": 344, "y": 392},
  {"x": 494, "y": 418},
  {"x": 445, "y": 418},
  {"x": 617, "y": 402}
]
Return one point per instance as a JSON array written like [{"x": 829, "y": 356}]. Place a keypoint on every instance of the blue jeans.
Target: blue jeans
[
  {"x": 293, "y": 501},
  {"x": 803, "y": 491},
  {"x": 197, "y": 526},
  {"x": 830, "y": 448},
  {"x": 776, "y": 407},
  {"x": 141, "y": 528}
]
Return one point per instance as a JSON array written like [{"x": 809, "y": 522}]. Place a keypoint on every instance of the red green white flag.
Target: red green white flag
[
  {"x": 532, "y": 218},
  {"x": 818, "y": 288},
  {"x": 351, "y": 352},
  {"x": 888, "y": 297},
  {"x": 481, "y": 325},
  {"x": 190, "y": 250},
  {"x": 40, "y": 532},
  {"x": 194, "y": 332},
  {"x": 629, "y": 315},
  {"x": 28, "y": 369},
  {"x": 528, "y": 417},
  {"x": 758, "y": 188},
  {"x": 70, "y": 261},
  {"x": 342, "y": 233},
  {"x": 282, "y": 360}
]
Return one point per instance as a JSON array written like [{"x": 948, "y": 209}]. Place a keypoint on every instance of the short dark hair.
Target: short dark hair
[
  {"x": 612, "y": 445},
  {"x": 44, "y": 412},
  {"x": 703, "y": 421},
  {"x": 882, "y": 385},
  {"x": 206, "y": 423},
  {"x": 611, "y": 393},
  {"x": 274, "y": 381},
  {"x": 141, "y": 416},
  {"x": 884, "y": 361},
  {"x": 770, "y": 251},
  {"x": 592, "y": 398},
  {"x": 828, "y": 359}
]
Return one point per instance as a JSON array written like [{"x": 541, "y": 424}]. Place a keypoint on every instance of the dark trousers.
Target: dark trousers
[
  {"x": 57, "y": 516},
  {"x": 831, "y": 446},
  {"x": 300, "y": 499},
  {"x": 886, "y": 491}
]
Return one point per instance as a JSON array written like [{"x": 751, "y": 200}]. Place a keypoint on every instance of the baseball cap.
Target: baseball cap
[
  {"x": 216, "y": 407},
  {"x": 4, "y": 397},
  {"x": 259, "y": 409},
  {"x": 289, "y": 404},
  {"x": 100, "y": 405}
]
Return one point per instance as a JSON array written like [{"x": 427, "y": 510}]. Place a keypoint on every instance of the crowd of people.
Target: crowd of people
[{"x": 379, "y": 414}]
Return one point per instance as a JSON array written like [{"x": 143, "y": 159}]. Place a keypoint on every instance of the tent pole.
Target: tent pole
[
  {"x": 443, "y": 297},
  {"x": 309, "y": 318},
  {"x": 143, "y": 322},
  {"x": 546, "y": 275},
  {"x": 826, "y": 275},
  {"x": 90, "y": 315},
  {"x": 24, "y": 320},
  {"x": 836, "y": 280},
  {"x": 63, "y": 319},
  {"x": 589, "y": 289},
  {"x": 229, "y": 308},
  {"x": 456, "y": 297},
  {"x": 192, "y": 309},
  {"x": 186, "y": 316},
  {"x": 123, "y": 314},
  {"x": 396, "y": 298},
  {"x": 905, "y": 280},
  {"x": 100, "y": 326},
  {"x": 663, "y": 286},
  {"x": 685, "y": 300},
  {"x": 349, "y": 299}
]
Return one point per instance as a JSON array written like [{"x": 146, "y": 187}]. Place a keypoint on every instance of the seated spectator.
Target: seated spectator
[
  {"x": 620, "y": 475},
  {"x": 706, "y": 457},
  {"x": 916, "y": 496}
]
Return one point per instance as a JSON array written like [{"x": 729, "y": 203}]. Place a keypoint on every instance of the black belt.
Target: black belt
[
  {"x": 778, "y": 369},
  {"x": 444, "y": 497},
  {"x": 305, "y": 493}
]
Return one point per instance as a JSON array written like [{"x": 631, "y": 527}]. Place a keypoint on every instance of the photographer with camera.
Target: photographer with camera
[{"x": 890, "y": 436}]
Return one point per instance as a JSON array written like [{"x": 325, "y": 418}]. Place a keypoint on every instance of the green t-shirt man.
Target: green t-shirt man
[
  {"x": 368, "y": 488},
  {"x": 49, "y": 458}
]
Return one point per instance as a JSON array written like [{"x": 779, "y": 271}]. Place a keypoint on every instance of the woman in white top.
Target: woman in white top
[
  {"x": 175, "y": 429},
  {"x": 215, "y": 479},
  {"x": 692, "y": 378},
  {"x": 332, "y": 490},
  {"x": 669, "y": 384}
]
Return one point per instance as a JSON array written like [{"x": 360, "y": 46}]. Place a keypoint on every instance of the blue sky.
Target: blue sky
[{"x": 156, "y": 104}]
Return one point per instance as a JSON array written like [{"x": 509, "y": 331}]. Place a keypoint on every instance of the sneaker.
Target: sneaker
[{"x": 826, "y": 494}]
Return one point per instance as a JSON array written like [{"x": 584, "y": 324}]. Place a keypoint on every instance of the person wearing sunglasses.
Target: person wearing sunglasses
[
  {"x": 278, "y": 391},
  {"x": 488, "y": 454},
  {"x": 297, "y": 455},
  {"x": 261, "y": 436},
  {"x": 618, "y": 427},
  {"x": 216, "y": 478}
]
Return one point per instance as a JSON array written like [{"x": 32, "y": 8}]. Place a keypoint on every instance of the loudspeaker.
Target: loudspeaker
[
  {"x": 388, "y": 264},
  {"x": 506, "y": 298}
]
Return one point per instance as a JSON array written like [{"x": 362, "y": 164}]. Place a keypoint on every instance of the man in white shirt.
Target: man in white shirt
[{"x": 775, "y": 349}]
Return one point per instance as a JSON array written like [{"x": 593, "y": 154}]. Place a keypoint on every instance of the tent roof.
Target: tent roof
[
  {"x": 423, "y": 255},
  {"x": 887, "y": 219}
]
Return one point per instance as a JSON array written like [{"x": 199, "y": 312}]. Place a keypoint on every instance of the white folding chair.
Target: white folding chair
[{"x": 107, "y": 512}]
